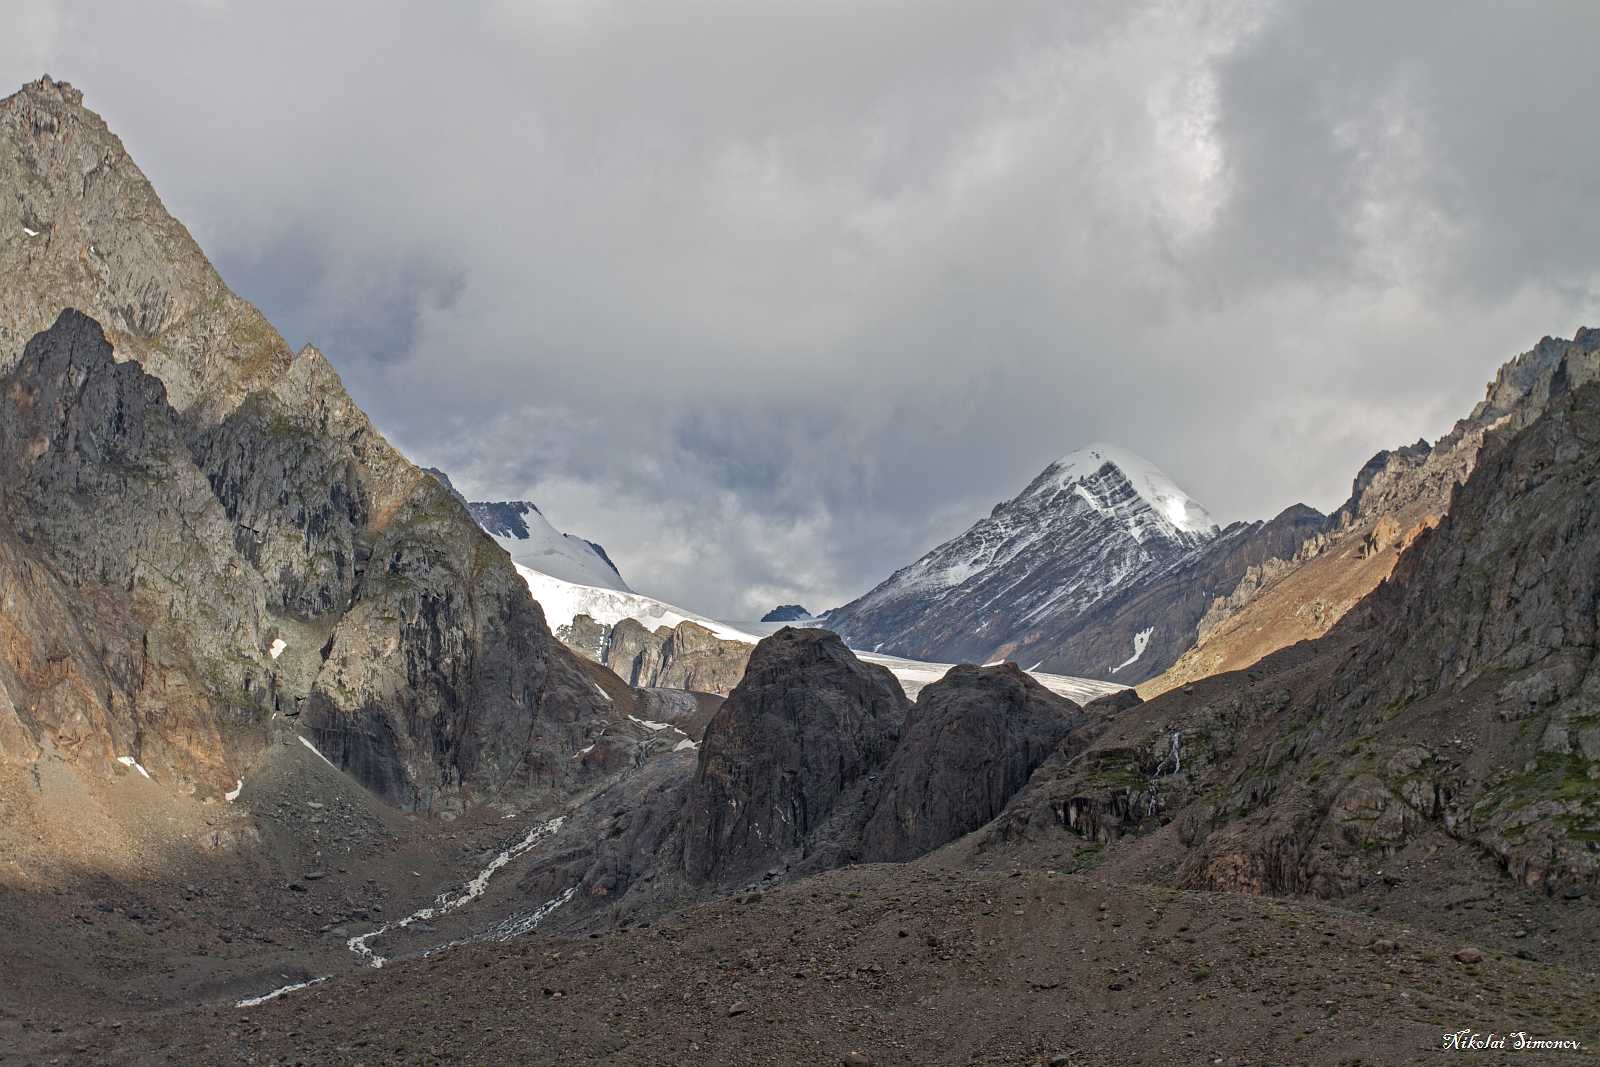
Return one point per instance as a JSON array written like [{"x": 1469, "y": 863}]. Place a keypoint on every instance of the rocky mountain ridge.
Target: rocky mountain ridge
[
  {"x": 1453, "y": 703},
  {"x": 685, "y": 656},
  {"x": 1137, "y": 632},
  {"x": 1228, "y": 601},
  {"x": 1395, "y": 497},
  {"x": 238, "y": 547}
]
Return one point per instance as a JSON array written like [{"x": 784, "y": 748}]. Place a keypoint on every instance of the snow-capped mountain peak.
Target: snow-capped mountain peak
[
  {"x": 1079, "y": 470},
  {"x": 521, "y": 529},
  {"x": 1088, "y": 526}
]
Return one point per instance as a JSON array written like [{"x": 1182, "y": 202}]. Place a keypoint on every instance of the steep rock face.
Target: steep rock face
[
  {"x": 1523, "y": 386},
  {"x": 586, "y": 637},
  {"x": 1456, "y": 699},
  {"x": 297, "y": 506},
  {"x": 688, "y": 656},
  {"x": 1502, "y": 600},
  {"x": 972, "y": 742},
  {"x": 211, "y": 530},
  {"x": 57, "y": 690},
  {"x": 1092, "y": 524},
  {"x": 797, "y": 738},
  {"x": 442, "y": 674},
  {"x": 121, "y": 561}
]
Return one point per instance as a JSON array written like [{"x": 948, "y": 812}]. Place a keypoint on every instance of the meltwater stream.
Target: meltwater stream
[{"x": 448, "y": 901}]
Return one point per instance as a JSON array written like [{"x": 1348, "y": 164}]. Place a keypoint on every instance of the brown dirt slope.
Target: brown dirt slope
[
  {"x": 1300, "y": 605},
  {"x": 1397, "y": 495}
]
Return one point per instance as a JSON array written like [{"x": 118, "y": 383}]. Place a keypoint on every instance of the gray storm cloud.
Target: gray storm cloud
[{"x": 769, "y": 298}]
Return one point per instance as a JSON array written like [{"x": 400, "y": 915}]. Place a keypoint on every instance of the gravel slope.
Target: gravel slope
[{"x": 911, "y": 965}]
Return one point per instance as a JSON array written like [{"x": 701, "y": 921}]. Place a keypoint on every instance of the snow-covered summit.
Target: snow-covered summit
[
  {"x": 522, "y": 530},
  {"x": 519, "y": 527},
  {"x": 1088, "y": 526},
  {"x": 1150, "y": 482}
]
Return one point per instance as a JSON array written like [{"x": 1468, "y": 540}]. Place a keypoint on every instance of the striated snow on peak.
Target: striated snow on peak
[
  {"x": 1088, "y": 526},
  {"x": 1150, "y": 482}
]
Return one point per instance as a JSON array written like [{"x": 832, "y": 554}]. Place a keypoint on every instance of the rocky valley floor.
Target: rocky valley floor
[{"x": 902, "y": 965}]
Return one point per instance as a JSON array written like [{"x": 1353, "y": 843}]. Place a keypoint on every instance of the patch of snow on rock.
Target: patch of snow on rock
[
  {"x": 648, "y": 725},
  {"x": 318, "y": 754},
  {"x": 1141, "y": 641},
  {"x": 129, "y": 761}
]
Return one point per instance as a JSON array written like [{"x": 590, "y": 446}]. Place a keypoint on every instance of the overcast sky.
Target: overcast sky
[{"x": 771, "y": 298}]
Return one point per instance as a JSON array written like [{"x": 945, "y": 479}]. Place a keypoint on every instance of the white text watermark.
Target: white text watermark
[{"x": 1516, "y": 1041}]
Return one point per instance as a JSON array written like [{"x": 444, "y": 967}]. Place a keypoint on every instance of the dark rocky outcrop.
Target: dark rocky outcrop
[
  {"x": 786, "y": 613},
  {"x": 132, "y": 629},
  {"x": 1112, "y": 703},
  {"x": 816, "y": 761},
  {"x": 503, "y": 518},
  {"x": 972, "y": 742},
  {"x": 687, "y": 656},
  {"x": 791, "y": 748}
]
